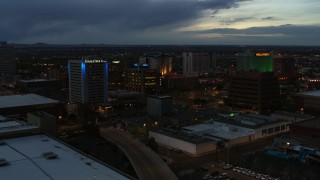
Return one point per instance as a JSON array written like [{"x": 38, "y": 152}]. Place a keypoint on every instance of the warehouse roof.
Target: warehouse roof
[
  {"x": 24, "y": 100},
  {"x": 41, "y": 157}
]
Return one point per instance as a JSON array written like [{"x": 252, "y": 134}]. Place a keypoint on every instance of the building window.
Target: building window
[{"x": 264, "y": 132}]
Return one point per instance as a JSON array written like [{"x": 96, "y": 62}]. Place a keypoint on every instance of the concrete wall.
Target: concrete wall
[
  {"x": 205, "y": 148},
  {"x": 193, "y": 149},
  {"x": 270, "y": 130},
  {"x": 240, "y": 140},
  {"x": 45, "y": 121}
]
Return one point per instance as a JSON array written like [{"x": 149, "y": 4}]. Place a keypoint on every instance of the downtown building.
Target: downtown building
[
  {"x": 142, "y": 79},
  {"x": 117, "y": 74},
  {"x": 7, "y": 63},
  {"x": 254, "y": 87},
  {"x": 284, "y": 68},
  {"x": 159, "y": 61},
  {"x": 198, "y": 63},
  {"x": 255, "y": 61},
  {"x": 88, "y": 81},
  {"x": 254, "y": 91}
]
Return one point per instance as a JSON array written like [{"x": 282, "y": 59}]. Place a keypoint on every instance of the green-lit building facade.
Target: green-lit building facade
[{"x": 259, "y": 61}]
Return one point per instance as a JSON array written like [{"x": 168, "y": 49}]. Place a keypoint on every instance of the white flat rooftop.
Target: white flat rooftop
[
  {"x": 218, "y": 130},
  {"x": 8, "y": 125},
  {"x": 24, "y": 155},
  {"x": 24, "y": 100},
  {"x": 310, "y": 93},
  {"x": 2, "y": 118}
]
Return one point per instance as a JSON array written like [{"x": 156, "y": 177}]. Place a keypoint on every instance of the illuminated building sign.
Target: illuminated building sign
[
  {"x": 145, "y": 65},
  {"x": 94, "y": 61},
  {"x": 263, "y": 54},
  {"x": 115, "y": 62},
  {"x": 136, "y": 65}
]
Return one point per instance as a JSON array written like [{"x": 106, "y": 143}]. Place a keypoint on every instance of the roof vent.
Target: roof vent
[
  {"x": 49, "y": 155},
  {"x": 3, "y": 162}
]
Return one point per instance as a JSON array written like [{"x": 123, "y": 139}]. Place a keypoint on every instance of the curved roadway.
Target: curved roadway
[{"x": 146, "y": 163}]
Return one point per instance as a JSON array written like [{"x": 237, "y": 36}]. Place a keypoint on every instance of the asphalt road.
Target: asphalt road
[{"x": 147, "y": 164}]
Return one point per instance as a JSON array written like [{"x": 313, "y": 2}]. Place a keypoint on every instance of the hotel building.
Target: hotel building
[{"x": 88, "y": 81}]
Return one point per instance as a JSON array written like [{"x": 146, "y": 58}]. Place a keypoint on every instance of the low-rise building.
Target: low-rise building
[
  {"x": 223, "y": 131},
  {"x": 178, "y": 140},
  {"x": 291, "y": 117},
  {"x": 310, "y": 128},
  {"x": 27, "y": 154},
  {"x": 35, "y": 84},
  {"x": 308, "y": 101},
  {"x": 158, "y": 106},
  {"x": 5, "y": 92},
  {"x": 24, "y": 103},
  {"x": 45, "y": 121},
  {"x": 12, "y": 128}
]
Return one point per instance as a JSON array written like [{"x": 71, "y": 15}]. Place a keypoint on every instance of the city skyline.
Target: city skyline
[{"x": 198, "y": 22}]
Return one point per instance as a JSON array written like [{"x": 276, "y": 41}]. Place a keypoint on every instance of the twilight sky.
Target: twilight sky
[{"x": 208, "y": 22}]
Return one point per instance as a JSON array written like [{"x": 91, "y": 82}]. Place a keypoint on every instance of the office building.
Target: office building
[
  {"x": 7, "y": 59},
  {"x": 198, "y": 63},
  {"x": 179, "y": 82},
  {"x": 158, "y": 61},
  {"x": 7, "y": 64},
  {"x": 158, "y": 106},
  {"x": 142, "y": 80},
  {"x": 308, "y": 101},
  {"x": 254, "y": 91},
  {"x": 258, "y": 61},
  {"x": 61, "y": 74},
  {"x": 117, "y": 73},
  {"x": 88, "y": 81}
]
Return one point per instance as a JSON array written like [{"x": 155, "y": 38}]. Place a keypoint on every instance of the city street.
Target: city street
[{"x": 147, "y": 164}]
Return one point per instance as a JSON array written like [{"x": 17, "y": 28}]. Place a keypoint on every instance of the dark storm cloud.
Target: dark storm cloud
[{"x": 50, "y": 18}]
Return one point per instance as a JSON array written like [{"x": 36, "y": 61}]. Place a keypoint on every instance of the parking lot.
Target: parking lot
[
  {"x": 225, "y": 171},
  {"x": 251, "y": 157}
]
